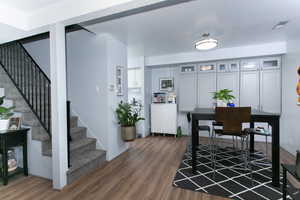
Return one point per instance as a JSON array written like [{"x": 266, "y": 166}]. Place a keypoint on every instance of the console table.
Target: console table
[{"x": 9, "y": 139}]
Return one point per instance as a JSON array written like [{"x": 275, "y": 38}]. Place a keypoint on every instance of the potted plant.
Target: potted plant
[
  {"x": 128, "y": 115},
  {"x": 5, "y": 114},
  {"x": 223, "y": 97}
]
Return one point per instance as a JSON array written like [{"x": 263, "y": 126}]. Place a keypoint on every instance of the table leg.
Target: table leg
[
  {"x": 275, "y": 152},
  {"x": 4, "y": 161},
  {"x": 284, "y": 184},
  {"x": 252, "y": 139},
  {"x": 25, "y": 160},
  {"x": 195, "y": 141}
]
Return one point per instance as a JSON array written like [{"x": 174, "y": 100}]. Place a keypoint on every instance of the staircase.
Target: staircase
[{"x": 29, "y": 89}]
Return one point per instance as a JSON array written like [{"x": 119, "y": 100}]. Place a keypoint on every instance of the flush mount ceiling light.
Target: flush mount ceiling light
[
  {"x": 206, "y": 43},
  {"x": 280, "y": 24}
]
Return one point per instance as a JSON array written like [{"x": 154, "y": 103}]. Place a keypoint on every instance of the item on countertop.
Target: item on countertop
[
  {"x": 159, "y": 97},
  {"x": 15, "y": 123}
]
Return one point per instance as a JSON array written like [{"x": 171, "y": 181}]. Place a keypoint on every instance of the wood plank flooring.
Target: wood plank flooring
[{"x": 144, "y": 172}]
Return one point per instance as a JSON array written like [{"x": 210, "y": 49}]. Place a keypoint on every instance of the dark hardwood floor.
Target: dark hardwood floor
[{"x": 144, "y": 172}]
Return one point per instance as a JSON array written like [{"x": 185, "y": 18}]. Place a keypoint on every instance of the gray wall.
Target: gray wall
[{"x": 290, "y": 126}]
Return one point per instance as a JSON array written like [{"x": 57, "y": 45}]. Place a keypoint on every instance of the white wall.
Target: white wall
[
  {"x": 218, "y": 54},
  {"x": 87, "y": 82},
  {"x": 290, "y": 128},
  {"x": 40, "y": 52},
  {"x": 116, "y": 56}
]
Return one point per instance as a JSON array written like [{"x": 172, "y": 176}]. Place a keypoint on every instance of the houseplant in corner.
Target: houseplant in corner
[
  {"x": 128, "y": 115},
  {"x": 223, "y": 97},
  {"x": 5, "y": 114}
]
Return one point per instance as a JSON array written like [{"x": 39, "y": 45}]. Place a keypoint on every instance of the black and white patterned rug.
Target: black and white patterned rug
[{"x": 228, "y": 180}]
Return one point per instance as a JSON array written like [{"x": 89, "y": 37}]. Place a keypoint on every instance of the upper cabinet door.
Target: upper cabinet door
[
  {"x": 270, "y": 88},
  {"x": 271, "y": 63},
  {"x": 233, "y": 66},
  {"x": 134, "y": 78},
  {"x": 222, "y": 67},
  {"x": 206, "y": 87},
  {"x": 187, "y": 97},
  {"x": 207, "y": 67},
  {"x": 250, "y": 65},
  {"x": 249, "y": 89},
  {"x": 188, "y": 69}
]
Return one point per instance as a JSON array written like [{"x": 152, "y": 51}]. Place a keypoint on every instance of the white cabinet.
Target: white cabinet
[
  {"x": 187, "y": 97},
  {"x": 206, "y": 87},
  {"x": 164, "y": 118},
  {"x": 134, "y": 78},
  {"x": 231, "y": 81},
  {"x": 270, "y": 91},
  {"x": 249, "y": 89}
]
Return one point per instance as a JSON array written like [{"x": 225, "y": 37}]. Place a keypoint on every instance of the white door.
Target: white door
[
  {"x": 249, "y": 89},
  {"x": 229, "y": 80},
  {"x": 271, "y": 91},
  {"x": 207, "y": 85},
  {"x": 187, "y": 92}
]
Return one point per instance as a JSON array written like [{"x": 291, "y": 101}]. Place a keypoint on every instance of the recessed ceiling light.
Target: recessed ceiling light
[
  {"x": 280, "y": 24},
  {"x": 206, "y": 43}
]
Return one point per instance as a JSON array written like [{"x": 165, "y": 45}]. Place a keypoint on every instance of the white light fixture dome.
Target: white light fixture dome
[{"x": 206, "y": 43}]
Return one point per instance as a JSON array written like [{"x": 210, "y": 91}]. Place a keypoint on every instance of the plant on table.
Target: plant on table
[
  {"x": 5, "y": 114},
  {"x": 223, "y": 97}
]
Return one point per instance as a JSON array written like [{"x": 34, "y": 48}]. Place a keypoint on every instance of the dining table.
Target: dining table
[{"x": 273, "y": 119}]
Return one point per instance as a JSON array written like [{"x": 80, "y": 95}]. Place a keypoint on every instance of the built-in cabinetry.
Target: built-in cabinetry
[
  {"x": 164, "y": 118},
  {"x": 228, "y": 77},
  {"x": 187, "y": 83},
  {"x": 134, "y": 78},
  {"x": 254, "y": 82},
  {"x": 206, "y": 84}
]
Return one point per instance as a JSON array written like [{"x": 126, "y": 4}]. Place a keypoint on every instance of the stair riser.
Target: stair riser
[
  {"x": 78, "y": 135},
  {"x": 74, "y": 122},
  {"x": 91, "y": 146},
  {"x": 91, "y": 166}
]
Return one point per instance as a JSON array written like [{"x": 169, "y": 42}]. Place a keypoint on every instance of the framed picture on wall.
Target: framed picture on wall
[
  {"x": 166, "y": 84},
  {"x": 120, "y": 80}
]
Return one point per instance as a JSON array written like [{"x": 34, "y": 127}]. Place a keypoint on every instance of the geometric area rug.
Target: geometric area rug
[{"x": 229, "y": 180}]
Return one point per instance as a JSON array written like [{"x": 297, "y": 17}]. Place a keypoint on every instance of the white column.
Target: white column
[{"x": 58, "y": 105}]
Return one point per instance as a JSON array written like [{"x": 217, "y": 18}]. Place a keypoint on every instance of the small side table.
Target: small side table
[
  {"x": 292, "y": 170},
  {"x": 9, "y": 139}
]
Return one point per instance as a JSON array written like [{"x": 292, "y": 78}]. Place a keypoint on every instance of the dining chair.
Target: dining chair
[{"x": 232, "y": 119}]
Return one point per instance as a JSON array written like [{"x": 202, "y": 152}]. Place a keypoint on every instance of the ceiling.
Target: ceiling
[
  {"x": 234, "y": 23},
  {"x": 28, "y": 5}
]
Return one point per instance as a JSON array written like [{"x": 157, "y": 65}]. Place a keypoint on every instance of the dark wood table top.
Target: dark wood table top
[
  {"x": 211, "y": 111},
  {"x": 22, "y": 130}
]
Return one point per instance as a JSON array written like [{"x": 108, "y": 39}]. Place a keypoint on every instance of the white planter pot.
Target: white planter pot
[
  {"x": 4, "y": 124},
  {"x": 221, "y": 103}
]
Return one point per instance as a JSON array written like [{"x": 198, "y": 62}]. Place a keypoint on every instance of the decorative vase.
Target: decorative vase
[
  {"x": 298, "y": 164},
  {"x": 221, "y": 103},
  {"x": 128, "y": 133},
  {"x": 4, "y": 123}
]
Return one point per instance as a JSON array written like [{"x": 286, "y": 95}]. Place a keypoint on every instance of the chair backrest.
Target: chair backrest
[{"x": 233, "y": 118}]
